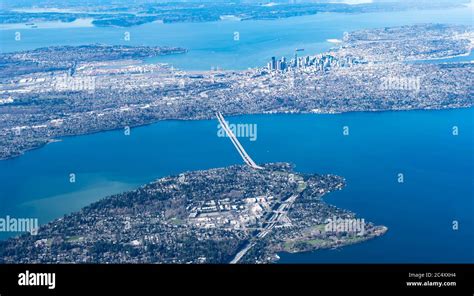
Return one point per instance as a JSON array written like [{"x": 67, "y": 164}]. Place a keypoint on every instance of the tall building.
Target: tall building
[{"x": 277, "y": 65}]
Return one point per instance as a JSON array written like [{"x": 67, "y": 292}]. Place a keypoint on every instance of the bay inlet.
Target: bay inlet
[{"x": 437, "y": 167}]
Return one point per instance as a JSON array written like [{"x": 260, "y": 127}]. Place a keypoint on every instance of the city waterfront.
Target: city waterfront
[
  {"x": 214, "y": 44},
  {"x": 437, "y": 166}
]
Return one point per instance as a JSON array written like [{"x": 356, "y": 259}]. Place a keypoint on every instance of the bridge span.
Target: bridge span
[{"x": 249, "y": 161}]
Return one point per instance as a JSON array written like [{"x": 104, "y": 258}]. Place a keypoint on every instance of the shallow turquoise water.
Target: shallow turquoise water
[
  {"x": 438, "y": 169},
  {"x": 438, "y": 166}
]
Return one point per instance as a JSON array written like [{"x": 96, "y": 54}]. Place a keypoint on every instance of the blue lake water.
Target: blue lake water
[
  {"x": 457, "y": 59},
  {"x": 438, "y": 167}
]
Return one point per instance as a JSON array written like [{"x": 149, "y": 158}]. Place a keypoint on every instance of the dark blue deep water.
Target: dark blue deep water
[{"x": 437, "y": 167}]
